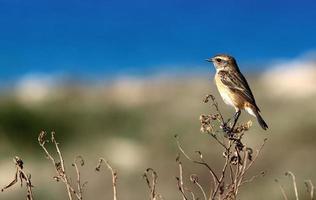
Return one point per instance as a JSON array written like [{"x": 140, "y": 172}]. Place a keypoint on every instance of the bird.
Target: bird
[{"x": 234, "y": 89}]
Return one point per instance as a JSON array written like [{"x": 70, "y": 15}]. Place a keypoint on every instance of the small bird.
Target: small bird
[{"x": 234, "y": 89}]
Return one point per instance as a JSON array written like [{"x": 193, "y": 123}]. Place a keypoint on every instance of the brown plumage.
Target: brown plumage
[{"x": 234, "y": 88}]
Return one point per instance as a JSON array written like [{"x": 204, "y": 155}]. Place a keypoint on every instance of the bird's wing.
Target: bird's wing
[{"x": 237, "y": 83}]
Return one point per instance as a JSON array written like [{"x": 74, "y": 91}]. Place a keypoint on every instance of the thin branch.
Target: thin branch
[
  {"x": 152, "y": 185},
  {"x": 59, "y": 166},
  {"x": 257, "y": 154},
  {"x": 282, "y": 190},
  {"x": 194, "y": 179},
  {"x": 231, "y": 174},
  {"x": 242, "y": 172},
  {"x": 216, "y": 180},
  {"x": 22, "y": 176},
  {"x": 222, "y": 177},
  {"x": 219, "y": 142},
  {"x": 180, "y": 180},
  {"x": 62, "y": 165},
  {"x": 252, "y": 178},
  {"x": 79, "y": 185},
  {"x": 215, "y": 104},
  {"x": 289, "y": 173},
  {"x": 113, "y": 173},
  {"x": 310, "y": 188}
]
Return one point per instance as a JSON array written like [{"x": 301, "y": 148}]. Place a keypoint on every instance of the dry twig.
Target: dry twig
[
  {"x": 22, "y": 176},
  {"x": 148, "y": 175},
  {"x": 180, "y": 180},
  {"x": 288, "y": 173},
  {"x": 238, "y": 158},
  {"x": 308, "y": 184},
  {"x": 59, "y": 166},
  {"x": 80, "y": 186},
  {"x": 310, "y": 188},
  {"x": 195, "y": 179},
  {"x": 282, "y": 190},
  {"x": 113, "y": 173}
]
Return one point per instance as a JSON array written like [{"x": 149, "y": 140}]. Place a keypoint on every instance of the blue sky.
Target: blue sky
[{"x": 106, "y": 37}]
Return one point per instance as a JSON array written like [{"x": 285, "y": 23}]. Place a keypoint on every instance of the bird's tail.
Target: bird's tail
[
  {"x": 262, "y": 123},
  {"x": 254, "y": 111}
]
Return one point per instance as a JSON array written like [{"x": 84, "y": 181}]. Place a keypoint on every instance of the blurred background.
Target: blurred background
[{"x": 118, "y": 79}]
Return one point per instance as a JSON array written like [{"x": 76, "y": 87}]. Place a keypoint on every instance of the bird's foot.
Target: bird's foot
[{"x": 228, "y": 130}]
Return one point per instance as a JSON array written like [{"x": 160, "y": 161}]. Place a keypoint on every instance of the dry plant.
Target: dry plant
[
  {"x": 238, "y": 158},
  {"x": 22, "y": 176},
  {"x": 60, "y": 168},
  {"x": 308, "y": 184},
  {"x": 113, "y": 173},
  {"x": 224, "y": 183},
  {"x": 151, "y": 177}
]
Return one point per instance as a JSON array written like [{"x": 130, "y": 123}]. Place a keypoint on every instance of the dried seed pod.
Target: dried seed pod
[{"x": 194, "y": 178}]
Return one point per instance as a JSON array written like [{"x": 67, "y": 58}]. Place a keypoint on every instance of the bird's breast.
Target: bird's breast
[{"x": 224, "y": 92}]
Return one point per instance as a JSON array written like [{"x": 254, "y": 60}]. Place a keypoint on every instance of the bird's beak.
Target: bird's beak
[{"x": 209, "y": 60}]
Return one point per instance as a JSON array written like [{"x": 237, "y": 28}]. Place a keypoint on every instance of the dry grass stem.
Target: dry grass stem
[
  {"x": 201, "y": 162},
  {"x": 288, "y": 173},
  {"x": 238, "y": 157},
  {"x": 195, "y": 179},
  {"x": 179, "y": 179},
  {"x": 22, "y": 176},
  {"x": 308, "y": 184},
  {"x": 148, "y": 175},
  {"x": 113, "y": 173},
  {"x": 282, "y": 190},
  {"x": 59, "y": 166},
  {"x": 80, "y": 186},
  {"x": 310, "y": 188}
]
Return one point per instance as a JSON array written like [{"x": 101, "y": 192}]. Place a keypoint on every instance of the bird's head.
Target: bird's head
[{"x": 223, "y": 62}]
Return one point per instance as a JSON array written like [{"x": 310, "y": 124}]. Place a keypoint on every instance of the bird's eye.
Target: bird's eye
[{"x": 218, "y": 60}]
